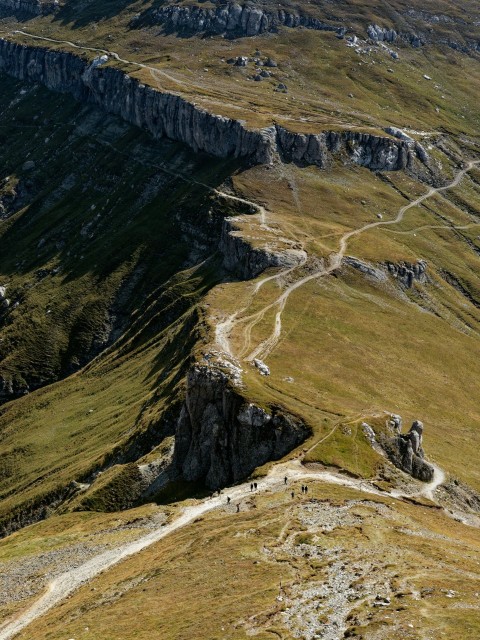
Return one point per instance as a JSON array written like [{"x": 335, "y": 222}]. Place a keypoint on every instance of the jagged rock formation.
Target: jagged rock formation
[
  {"x": 28, "y": 8},
  {"x": 247, "y": 261},
  {"x": 407, "y": 273},
  {"x": 406, "y": 450},
  {"x": 383, "y": 34},
  {"x": 368, "y": 150},
  {"x": 220, "y": 438},
  {"x": 165, "y": 114},
  {"x": 366, "y": 268},
  {"x": 401, "y": 135},
  {"x": 232, "y": 19},
  {"x": 4, "y": 301},
  {"x": 10, "y": 389}
]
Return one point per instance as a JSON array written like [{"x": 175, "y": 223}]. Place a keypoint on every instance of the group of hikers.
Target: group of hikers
[
  {"x": 304, "y": 490},
  {"x": 254, "y": 487}
]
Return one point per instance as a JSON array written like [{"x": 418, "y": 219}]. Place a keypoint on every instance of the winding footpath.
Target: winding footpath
[
  {"x": 334, "y": 262},
  {"x": 65, "y": 584}
]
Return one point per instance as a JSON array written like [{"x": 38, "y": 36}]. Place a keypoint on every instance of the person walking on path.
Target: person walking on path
[
  {"x": 255, "y": 485},
  {"x": 293, "y": 494},
  {"x": 238, "y": 507},
  {"x": 228, "y": 499},
  {"x": 286, "y": 479}
]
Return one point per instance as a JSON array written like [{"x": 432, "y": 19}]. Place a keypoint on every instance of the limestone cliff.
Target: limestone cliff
[
  {"x": 21, "y": 7},
  {"x": 406, "y": 450},
  {"x": 170, "y": 115},
  {"x": 407, "y": 272},
  {"x": 221, "y": 438},
  {"x": 247, "y": 261},
  {"x": 233, "y": 20},
  {"x": 426, "y": 35},
  {"x": 159, "y": 113},
  {"x": 373, "y": 151}
]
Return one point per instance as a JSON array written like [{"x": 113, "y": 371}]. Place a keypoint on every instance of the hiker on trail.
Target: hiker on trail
[
  {"x": 293, "y": 494},
  {"x": 228, "y": 499},
  {"x": 251, "y": 487},
  {"x": 306, "y": 489},
  {"x": 238, "y": 507},
  {"x": 286, "y": 479},
  {"x": 255, "y": 485}
]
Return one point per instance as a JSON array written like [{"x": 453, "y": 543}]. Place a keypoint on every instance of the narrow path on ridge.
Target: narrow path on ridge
[
  {"x": 106, "y": 52},
  {"x": 186, "y": 83}
]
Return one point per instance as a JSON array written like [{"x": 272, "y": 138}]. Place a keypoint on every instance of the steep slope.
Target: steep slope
[{"x": 236, "y": 236}]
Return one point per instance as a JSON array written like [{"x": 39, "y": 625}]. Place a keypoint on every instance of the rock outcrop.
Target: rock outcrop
[
  {"x": 247, "y": 261},
  {"x": 427, "y": 35},
  {"x": 406, "y": 450},
  {"x": 379, "y": 153},
  {"x": 21, "y": 7},
  {"x": 382, "y": 34},
  {"x": 220, "y": 438},
  {"x": 233, "y": 20},
  {"x": 401, "y": 135},
  {"x": 10, "y": 389},
  {"x": 4, "y": 301},
  {"x": 170, "y": 115},
  {"x": 366, "y": 268},
  {"x": 407, "y": 273}
]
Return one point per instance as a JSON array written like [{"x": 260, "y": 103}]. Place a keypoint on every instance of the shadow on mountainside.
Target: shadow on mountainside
[{"x": 99, "y": 238}]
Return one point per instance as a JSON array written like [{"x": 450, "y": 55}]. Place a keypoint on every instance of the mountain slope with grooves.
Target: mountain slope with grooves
[{"x": 226, "y": 254}]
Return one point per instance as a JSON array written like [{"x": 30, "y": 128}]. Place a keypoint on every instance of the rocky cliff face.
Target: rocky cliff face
[
  {"x": 407, "y": 272},
  {"x": 166, "y": 114},
  {"x": 247, "y": 261},
  {"x": 161, "y": 114},
  {"x": 426, "y": 36},
  {"x": 221, "y": 439},
  {"x": 232, "y": 19},
  {"x": 382, "y": 34},
  {"x": 375, "y": 152}
]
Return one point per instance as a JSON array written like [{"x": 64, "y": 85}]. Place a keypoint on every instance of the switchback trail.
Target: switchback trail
[{"x": 334, "y": 262}]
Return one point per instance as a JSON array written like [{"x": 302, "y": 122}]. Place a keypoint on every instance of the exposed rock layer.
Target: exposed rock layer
[
  {"x": 232, "y": 19},
  {"x": 419, "y": 39},
  {"x": 161, "y": 114},
  {"x": 248, "y": 262},
  {"x": 21, "y": 7},
  {"x": 375, "y": 152},
  {"x": 165, "y": 114},
  {"x": 221, "y": 439},
  {"x": 407, "y": 273}
]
